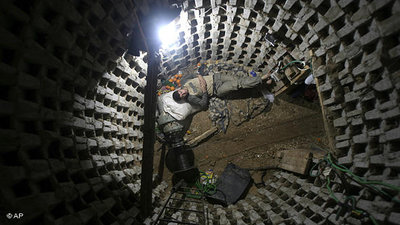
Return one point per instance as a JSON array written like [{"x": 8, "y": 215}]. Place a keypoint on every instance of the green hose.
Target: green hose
[
  {"x": 294, "y": 61},
  {"x": 367, "y": 183},
  {"x": 204, "y": 188}
]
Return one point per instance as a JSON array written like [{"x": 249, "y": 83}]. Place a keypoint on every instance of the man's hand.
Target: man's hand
[
  {"x": 266, "y": 76},
  {"x": 202, "y": 69},
  {"x": 203, "y": 84}
]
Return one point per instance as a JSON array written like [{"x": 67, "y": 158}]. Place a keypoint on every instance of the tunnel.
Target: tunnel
[{"x": 78, "y": 89}]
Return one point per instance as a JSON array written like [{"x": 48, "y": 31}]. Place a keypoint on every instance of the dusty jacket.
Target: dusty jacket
[{"x": 193, "y": 86}]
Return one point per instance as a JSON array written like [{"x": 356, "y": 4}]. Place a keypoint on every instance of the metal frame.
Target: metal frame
[{"x": 179, "y": 189}]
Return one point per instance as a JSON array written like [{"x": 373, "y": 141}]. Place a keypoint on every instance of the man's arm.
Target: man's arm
[
  {"x": 202, "y": 101},
  {"x": 203, "y": 83},
  {"x": 199, "y": 101}
]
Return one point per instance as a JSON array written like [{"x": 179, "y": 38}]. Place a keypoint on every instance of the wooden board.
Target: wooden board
[
  {"x": 327, "y": 127},
  {"x": 296, "y": 161},
  {"x": 278, "y": 92},
  {"x": 203, "y": 136}
]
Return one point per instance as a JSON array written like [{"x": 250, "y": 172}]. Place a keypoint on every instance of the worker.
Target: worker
[
  {"x": 306, "y": 89},
  {"x": 196, "y": 91}
]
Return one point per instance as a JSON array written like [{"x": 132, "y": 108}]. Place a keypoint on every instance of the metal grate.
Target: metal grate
[{"x": 185, "y": 205}]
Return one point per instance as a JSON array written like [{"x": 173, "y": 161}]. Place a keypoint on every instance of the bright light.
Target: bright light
[{"x": 168, "y": 35}]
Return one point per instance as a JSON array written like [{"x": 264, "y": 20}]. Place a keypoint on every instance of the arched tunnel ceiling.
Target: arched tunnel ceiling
[
  {"x": 234, "y": 31},
  {"x": 72, "y": 102}
]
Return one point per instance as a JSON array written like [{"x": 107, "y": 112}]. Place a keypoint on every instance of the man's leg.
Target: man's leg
[
  {"x": 226, "y": 84},
  {"x": 226, "y": 87},
  {"x": 249, "y": 82}
]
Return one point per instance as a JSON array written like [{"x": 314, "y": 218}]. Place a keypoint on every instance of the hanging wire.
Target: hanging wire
[{"x": 327, "y": 161}]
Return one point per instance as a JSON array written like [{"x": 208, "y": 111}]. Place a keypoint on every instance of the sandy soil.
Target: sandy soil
[{"x": 286, "y": 126}]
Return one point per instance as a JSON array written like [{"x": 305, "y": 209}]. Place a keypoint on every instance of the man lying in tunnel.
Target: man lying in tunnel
[{"x": 197, "y": 91}]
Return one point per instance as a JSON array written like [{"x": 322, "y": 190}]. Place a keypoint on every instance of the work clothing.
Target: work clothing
[
  {"x": 224, "y": 83},
  {"x": 201, "y": 101},
  {"x": 193, "y": 86},
  {"x": 219, "y": 85}
]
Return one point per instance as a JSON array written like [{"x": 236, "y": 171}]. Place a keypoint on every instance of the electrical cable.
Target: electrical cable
[
  {"x": 329, "y": 161},
  {"x": 373, "y": 188},
  {"x": 338, "y": 169},
  {"x": 294, "y": 61},
  {"x": 346, "y": 206},
  {"x": 205, "y": 187},
  {"x": 363, "y": 180},
  {"x": 330, "y": 190},
  {"x": 261, "y": 184}
]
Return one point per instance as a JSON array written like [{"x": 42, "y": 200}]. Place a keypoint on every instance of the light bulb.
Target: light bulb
[{"x": 168, "y": 35}]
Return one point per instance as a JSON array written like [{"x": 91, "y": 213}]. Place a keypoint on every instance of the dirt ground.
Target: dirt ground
[{"x": 287, "y": 126}]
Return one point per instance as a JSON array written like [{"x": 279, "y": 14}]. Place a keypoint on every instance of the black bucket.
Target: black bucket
[{"x": 180, "y": 161}]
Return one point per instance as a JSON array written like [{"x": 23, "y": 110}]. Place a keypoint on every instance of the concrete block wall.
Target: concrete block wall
[
  {"x": 72, "y": 101},
  {"x": 71, "y": 112},
  {"x": 356, "y": 44},
  {"x": 287, "y": 199}
]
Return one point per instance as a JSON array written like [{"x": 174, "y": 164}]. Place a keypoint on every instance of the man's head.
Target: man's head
[
  {"x": 180, "y": 94},
  {"x": 202, "y": 69}
]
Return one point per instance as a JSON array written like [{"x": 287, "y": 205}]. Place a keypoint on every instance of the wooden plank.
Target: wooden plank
[
  {"x": 202, "y": 137},
  {"x": 292, "y": 81},
  {"x": 296, "y": 161},
  {"x": 323, "y": 110},
  {"x": 278, "y": 86},
  {"x": 161, "y": 164}
]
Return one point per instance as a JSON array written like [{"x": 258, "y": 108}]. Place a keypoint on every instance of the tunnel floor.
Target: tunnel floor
[{"x": 290, "y": 124}]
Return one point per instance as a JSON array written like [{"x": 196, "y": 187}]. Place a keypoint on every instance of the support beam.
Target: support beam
[
  {"x": 150, "y": 101},
  {"x": 194, "y": 142},
  {"x": 323, "y": 109},
  {"x": 161, "y": 164}
]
